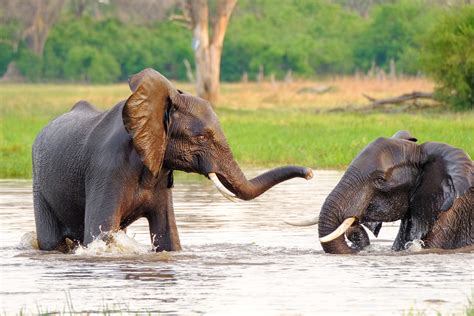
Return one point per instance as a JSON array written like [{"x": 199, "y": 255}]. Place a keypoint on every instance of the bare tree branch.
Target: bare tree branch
[
  {"x": 182, "y": 19},
  {"x": 399, "y": 99}
]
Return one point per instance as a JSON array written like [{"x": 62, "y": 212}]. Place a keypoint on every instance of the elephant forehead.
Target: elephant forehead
[
  {"x": 199, "y": 109},
  {"x": 207, "y": 115},
  {"x": 198, "y": 119},
  {"x": 383, "y": 154},
  {"x": 203, "y": 118}
]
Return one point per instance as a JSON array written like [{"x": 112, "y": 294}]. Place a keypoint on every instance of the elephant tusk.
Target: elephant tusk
[
  {"x": 339, "y": 231},
  {"x": 308, "y": 222},
  {"x": 222, "y": 189}
]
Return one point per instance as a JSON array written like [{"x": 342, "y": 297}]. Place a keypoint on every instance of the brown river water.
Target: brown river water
[{"x": 237, "y": 258}]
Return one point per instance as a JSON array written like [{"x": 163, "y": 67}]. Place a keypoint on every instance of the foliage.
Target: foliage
[
  {"x": 84, "y": 63},
  {"x": 448, "y": 56},
  {"x": 394, "y": 34},
  {"x": 6, "y": 55},
  {"x": 8, "y": 35},
  {"x": 105, "y": 51},
  {"x": 28, "y": 63},
  {"x": 309, "y": 37}
]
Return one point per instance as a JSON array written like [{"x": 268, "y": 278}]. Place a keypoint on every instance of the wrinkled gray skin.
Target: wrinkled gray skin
[
  {"x": 428, "y": 186},
  {"x": 97, "y": 172}
]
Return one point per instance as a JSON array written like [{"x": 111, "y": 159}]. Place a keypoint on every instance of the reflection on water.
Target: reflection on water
[{"x": 237, "y": 258}]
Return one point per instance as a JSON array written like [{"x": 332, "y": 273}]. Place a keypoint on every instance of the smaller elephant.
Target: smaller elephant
[{"x": 429, "y": 187}]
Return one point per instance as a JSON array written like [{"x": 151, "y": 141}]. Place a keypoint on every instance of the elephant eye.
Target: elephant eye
[
  {"x": 380, "y": 181},
  {"x": 204, "y": 135}
]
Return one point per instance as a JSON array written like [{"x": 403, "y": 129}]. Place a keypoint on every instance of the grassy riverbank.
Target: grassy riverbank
[{"x": 266, "y": 124}]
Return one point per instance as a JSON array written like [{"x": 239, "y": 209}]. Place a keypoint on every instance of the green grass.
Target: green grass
[
  {"x": 262, "y": 137},
  {"x": 325, "y": 140}
]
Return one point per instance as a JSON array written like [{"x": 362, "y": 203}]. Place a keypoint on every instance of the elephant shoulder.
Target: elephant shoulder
[{"x": 74, "y": 124}]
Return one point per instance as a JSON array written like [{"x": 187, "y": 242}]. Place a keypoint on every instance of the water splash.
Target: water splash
[
  {"x": 28, "y": 241},
  {"x": 374, "y": 249},
  {"x": 415, "y": 245},
  {"x": 118, "y": 243}
]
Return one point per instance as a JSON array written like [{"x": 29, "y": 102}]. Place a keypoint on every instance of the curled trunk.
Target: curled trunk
[
  {"x": 329, "y": 222},
  {"x": 343, "y": 203}
]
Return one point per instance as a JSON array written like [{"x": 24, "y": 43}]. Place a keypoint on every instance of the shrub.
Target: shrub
[
  {"x": 448, "y": 56},
  {"x": 28, "y": 63},
  {"x": 310, "y": 37},
  {"x": 6, "y": 55},
  {"x": 86, "y": 63},
  {"x": 108, "y": 50},
  {"x": 393, "y": 34}
]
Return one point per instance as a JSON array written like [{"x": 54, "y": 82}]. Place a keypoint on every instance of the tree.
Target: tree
[
  {"x": 392, "y": 34},
  {"x": 362, "y": 6},
  {"x": 31, "y": 21},
  {"x": 207, "y": 53},
  {"x": 448, "y": 56},
  {"x": 45, "y": 14}
]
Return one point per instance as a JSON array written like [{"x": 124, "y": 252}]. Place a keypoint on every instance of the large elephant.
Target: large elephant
[
  {"x": 428, "y": 186},
  {"x": 97, "y": 172}
]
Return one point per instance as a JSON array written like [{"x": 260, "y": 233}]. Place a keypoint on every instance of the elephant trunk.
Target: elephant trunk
[
  {"x": 236, "y": 182},
  {"x": 342, "y": 209},
  {"x": 328, "y": 223}
]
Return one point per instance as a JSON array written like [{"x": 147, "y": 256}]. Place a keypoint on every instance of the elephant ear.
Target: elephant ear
[
  {"x": 405, "y": 135},
  {"x": 448, "y": 170},
  {"x": 447, "y": 173},
  {"x": 146, "y": 113}
]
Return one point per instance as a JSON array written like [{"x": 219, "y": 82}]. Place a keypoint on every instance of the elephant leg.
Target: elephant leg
[
  {"x": 48, "y": 229},
  {"x": 103, "y": 209},
  {"x": 163, "y": 231},
  {"x": 358, "y": 236},
  {"x": 96, "y": 227}
]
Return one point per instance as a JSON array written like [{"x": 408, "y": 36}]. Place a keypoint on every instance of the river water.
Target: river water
[{"x": 237, "y": 258}]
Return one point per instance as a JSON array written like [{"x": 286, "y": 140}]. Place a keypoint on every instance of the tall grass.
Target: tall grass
[
  {"x": 266, "y": 124},
  {"x": 341, "y": 92}
]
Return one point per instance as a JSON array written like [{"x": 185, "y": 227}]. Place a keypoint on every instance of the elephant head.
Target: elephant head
[
  {"x": 392, "y": 179},
  {"x": 177, "y": 131}
]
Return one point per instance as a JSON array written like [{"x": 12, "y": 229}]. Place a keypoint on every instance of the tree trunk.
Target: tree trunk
[
  {"x": 46, "y": 13},
  {"x": 12, "y": 74},
  {"x": 79, "y": 7},
  {"x": 208, "y": 52}
]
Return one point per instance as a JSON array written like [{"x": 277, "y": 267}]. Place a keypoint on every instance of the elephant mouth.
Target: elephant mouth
[
  {"x": 223, "y": 186},
  {"x": 349, "y": 222},
  {"x": 373, "y": 226},
  {"x": 346, "y": 224}
]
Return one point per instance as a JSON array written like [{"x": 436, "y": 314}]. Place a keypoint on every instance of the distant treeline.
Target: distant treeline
[{"x": 307, "y": 37}]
